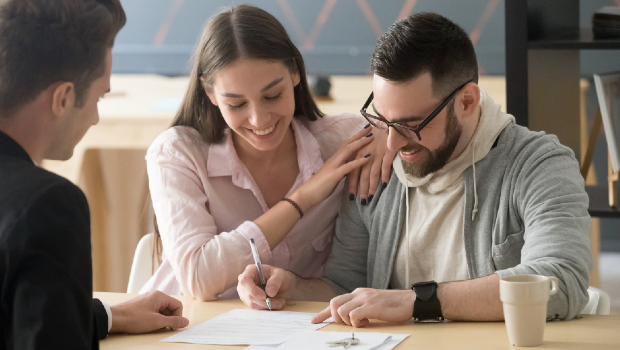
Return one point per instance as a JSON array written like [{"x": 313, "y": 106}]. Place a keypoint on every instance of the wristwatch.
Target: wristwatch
[{"x": 426, "y": 306}]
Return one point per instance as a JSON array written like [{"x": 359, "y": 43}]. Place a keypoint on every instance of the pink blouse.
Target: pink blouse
[{"x": 205, "y": 201}]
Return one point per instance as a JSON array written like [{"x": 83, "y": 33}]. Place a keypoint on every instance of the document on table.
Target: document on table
[
  {"x": 251, "y": 327},
  {"x": 316, "y": 340}
]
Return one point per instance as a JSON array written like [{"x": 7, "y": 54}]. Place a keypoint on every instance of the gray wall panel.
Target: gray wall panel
[
  {"x": 345, "y": 42},
  {"x": 344, "y": 45}
]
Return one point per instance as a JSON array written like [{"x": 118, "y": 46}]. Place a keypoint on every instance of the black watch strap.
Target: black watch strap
[{"x": 426, "y": 306}]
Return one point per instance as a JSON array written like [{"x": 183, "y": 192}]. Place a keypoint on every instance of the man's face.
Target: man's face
[
  {"x": 410, "y": 103},
  {"x": 78, "y": 120}
]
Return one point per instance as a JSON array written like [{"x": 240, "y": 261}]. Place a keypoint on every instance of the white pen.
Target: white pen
[{"x": 260, "y": 271}]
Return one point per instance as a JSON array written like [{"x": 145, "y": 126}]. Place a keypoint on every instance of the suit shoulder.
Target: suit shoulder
[{"x": 22, "y": 185}]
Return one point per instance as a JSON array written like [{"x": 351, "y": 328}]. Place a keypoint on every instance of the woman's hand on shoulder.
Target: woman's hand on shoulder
[
  {"x": 346, "y": 159},
  {"x": 379, "y": 166}
]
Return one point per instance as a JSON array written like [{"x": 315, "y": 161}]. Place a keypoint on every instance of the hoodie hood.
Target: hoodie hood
[{"x": 491, "y": 123}]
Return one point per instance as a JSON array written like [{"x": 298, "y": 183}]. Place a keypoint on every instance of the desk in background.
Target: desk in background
[
  {"x": 584, "y": 332},
  {"x": 108, "y": 164}
]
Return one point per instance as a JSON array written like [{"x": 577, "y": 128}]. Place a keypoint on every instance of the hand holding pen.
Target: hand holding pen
[{"x": 260, "y": 271}]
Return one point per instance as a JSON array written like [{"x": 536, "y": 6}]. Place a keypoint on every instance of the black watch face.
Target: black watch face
[
  {"x": 430, "y": 320},
  {"x": 424, "y": 284}
]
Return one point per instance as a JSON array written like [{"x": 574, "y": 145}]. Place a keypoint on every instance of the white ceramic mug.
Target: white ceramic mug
[{"x": 525, "y": 300}]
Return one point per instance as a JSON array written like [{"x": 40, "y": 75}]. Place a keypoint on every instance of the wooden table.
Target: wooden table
[{"x": 584, "y": 332}]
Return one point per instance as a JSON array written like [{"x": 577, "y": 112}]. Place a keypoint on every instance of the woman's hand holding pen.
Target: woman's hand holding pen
[{"x": 278, "y": 284}]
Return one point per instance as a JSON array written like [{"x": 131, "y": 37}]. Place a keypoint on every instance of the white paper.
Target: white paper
[
  {"x": 316, "y": 340},
  {"x": 248, "y": 327}
]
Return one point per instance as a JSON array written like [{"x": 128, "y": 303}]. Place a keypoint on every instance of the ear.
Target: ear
[
  {"x": 295, "y": 75},
  {"x": 470, "y": 99},
  {"x": 63, "y": 98},
  {"x": 208, "y": 91},
  {"x": 296, "y": 78}
]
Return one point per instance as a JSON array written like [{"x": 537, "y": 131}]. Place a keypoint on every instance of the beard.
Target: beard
[{"x": 439, "y": 158}]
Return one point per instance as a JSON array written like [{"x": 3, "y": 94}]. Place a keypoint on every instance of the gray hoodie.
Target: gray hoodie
[
  {"x": 532, "y": 218},
  {"x": 430, "y": 246}
]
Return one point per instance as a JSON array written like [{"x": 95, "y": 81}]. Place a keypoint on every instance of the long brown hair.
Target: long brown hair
[
  {"x": 240, "y": 32},
  {"x": 243, "y": 31}
]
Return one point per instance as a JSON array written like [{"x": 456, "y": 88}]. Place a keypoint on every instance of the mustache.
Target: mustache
[{"x": 412, "y": 148}]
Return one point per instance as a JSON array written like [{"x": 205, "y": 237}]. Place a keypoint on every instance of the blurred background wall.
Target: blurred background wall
[{"x": 335, "y": 36}]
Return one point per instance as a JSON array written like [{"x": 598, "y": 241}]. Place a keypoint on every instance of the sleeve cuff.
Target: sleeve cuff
[
  {"x": 250, "y": 230},
  {"x": 109, "y": 312},
  {"x": 520, "y": 269}
]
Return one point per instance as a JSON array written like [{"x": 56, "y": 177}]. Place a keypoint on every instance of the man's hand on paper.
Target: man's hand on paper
[
  {"x": 355, "y": 309},
  {"x": 146, "y": 313},
  {"x": 278, "y": 285}
]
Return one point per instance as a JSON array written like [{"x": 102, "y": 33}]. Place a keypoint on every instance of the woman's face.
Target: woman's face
[{"x": 256, "y": 99}]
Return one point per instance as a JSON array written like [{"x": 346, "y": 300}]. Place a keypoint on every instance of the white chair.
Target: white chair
[
  {"x": 144, "y": 264},
  {"x": 598, "y": 304}
]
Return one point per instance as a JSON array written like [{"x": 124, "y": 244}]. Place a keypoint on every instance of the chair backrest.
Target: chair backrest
[
  {"x": 144, "y": 264},
  {"x": 598, "y": 304}
]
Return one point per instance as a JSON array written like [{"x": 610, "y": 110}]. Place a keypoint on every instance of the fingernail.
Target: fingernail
[
  {"x": 367, "y": 126},
  {"x": 384, "y": 185},
  {"x": 369, "y": 135},
  {"x": 351, "y": 196},
  {"x": 370, "y": 198},
  {"x": 366, "y": 156},
  {"x": 364, "y": 201}
]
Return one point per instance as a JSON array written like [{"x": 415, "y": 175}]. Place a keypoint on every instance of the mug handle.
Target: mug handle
[{"x": 554, "y": 285}]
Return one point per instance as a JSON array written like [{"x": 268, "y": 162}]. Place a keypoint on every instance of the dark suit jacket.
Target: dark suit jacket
[{"x": 45, "y": 259}]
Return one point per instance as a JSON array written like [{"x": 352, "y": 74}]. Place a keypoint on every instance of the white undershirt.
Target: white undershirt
[
  {"x": 433, "y": 248},
  {"x": 109, "y": 312},
  {"x": 431, "y": 245}
]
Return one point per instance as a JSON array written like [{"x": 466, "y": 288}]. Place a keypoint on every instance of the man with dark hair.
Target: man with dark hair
[
  {"x": 55, "y": 64},
  {"x": 473, "y": 197}
]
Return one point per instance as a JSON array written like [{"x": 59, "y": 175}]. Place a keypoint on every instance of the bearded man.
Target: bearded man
[{"x": 473, "y": 197}]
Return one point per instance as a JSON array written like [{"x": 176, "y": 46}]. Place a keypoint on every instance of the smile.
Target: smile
[
  {"x": 408, "y": 153},
  {"x": 264, "y": 132}
]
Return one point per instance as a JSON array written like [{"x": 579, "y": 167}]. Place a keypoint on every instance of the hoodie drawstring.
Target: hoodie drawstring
[
  {"x": 473, "y": 164},
  {"x": 407, "y": 232}
]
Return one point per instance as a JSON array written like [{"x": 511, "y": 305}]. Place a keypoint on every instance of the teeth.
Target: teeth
[
  {"x": 408, "y": 153},
  {"x": 264, "y": 132}
]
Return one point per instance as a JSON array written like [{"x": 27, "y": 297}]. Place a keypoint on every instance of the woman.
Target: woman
[{"x": 248, "y": 134}]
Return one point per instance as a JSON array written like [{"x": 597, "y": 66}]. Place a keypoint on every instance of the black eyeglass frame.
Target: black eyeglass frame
[{"x": 416, "y": 129}]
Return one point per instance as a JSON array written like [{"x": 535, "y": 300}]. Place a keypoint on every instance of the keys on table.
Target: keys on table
[{"x": 346, "y": 342}]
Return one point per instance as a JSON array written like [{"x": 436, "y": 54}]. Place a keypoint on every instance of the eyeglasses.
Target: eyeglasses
[{"x": 410, "y": 132}]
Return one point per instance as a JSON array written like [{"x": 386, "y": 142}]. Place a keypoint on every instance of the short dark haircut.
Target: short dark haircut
[
  {"x": 242, "y": 31},
  {"x": 43, "y": 42},
  {"x": 426, "y": 42}
]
